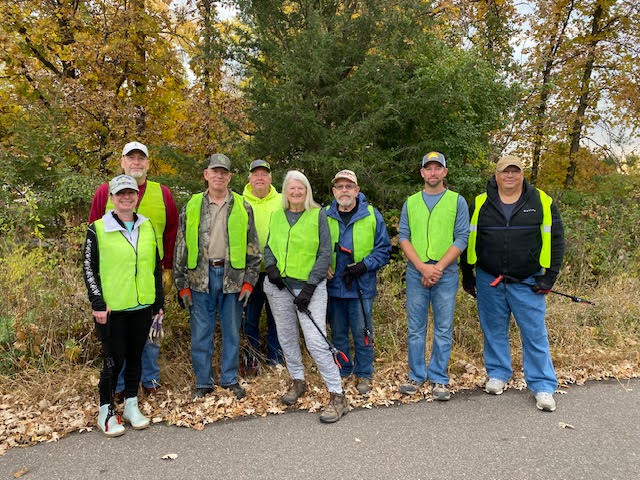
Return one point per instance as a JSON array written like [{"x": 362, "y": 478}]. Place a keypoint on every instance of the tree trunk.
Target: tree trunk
[
  {"x": 576, "y": 130},
  {"x": 139, "y": 77}
]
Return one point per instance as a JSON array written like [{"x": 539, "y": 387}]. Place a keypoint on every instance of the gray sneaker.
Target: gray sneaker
[
  {"x": 545, "y": 401},
  {"x": 335, "y": 409},
  {"x": 410, "y": 388},
  {"x": 296, "y": 390},
  {"x": 363, "y": 385},
  {"x": 494, "y": 386},
  {"x": 441, "y": 392}
]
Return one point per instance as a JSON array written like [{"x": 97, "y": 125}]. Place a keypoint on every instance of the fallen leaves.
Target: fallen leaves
[
  {"x": 20, "y": 472},
  {"x": 26, "y": 419}
]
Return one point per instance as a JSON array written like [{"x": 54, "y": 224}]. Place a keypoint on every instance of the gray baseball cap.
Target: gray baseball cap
[
  {"x": 219, "y": 160},
  {"x": 122, "y": 182},
  {"x": 434, "y": 157},
  {"x": 259, "y": 163}
]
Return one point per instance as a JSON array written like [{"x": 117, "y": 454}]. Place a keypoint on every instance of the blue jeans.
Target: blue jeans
[
  {"x": 203, "y": 326},
  {"x": 495, "y": 306},
  {"x": 252, "y": 324},
  {"x": 345, "y": 314},
  {"x": 442, "y": 297},
  {"x": 150, "y": 370}
]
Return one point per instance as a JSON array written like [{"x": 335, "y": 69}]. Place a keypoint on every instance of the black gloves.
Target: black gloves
[
  {"x": 304, "y": 297},
  {"x": 274, "y": 276},
  {"x": 544, "y": 283},
  {"x": 352, "y": 272},
  {"x": 469, "y": 281}
]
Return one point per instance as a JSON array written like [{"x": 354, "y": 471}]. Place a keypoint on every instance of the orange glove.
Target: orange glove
[
  {"x": 245, "y": 293},
  {"x": 184, "y": 298}
]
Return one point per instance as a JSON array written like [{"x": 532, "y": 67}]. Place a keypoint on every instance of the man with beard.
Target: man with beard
[{"x": 434, "y": 229}]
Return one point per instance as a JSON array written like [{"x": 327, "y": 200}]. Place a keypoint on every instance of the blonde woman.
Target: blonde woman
[{"x": 297, "y": 258}]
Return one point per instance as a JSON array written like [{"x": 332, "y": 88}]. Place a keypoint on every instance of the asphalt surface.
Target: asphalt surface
[{"x": 473, "y": 436}]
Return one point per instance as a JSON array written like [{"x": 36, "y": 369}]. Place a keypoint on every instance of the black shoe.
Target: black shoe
[
  {"x": 237, "y": 390},
  {"x": 202, "y": 392}
]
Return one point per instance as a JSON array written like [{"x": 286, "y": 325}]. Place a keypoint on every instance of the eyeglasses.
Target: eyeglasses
[
  {"x": 511, "y": 172},
  {"x": 345, "y": 186}
]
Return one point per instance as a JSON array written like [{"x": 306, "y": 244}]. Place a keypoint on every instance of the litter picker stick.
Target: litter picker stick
[{"x": 573, "y": 298}]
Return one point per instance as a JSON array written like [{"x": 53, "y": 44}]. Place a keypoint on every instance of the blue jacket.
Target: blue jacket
[{"x": 378, "y": 257}]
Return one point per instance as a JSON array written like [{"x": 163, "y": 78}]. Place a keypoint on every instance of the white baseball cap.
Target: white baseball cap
[
  {"x": 122, "y": 182},
  {"x": 129, "y": 147}
]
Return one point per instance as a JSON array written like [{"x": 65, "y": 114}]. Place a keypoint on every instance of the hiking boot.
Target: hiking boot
[
  {"x": 545, "y": 401},
  {"x": 441, "y": 392},
  {"x": 202, "y": 392},
  {"x": 133, "y": 415},
  {"x": 152, "y": 389},
  {"x": 335, "y": 409},
  {"x": 296, "y": 390},
  {"x": 112, "y": 427},
  {"x": 237, "y": 390},
  {"x": 410, "y": 388},
  {"x": 363, "y": 385},
  {"x": 494, "y": 386}
]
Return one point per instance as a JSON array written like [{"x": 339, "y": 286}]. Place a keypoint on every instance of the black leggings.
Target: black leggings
[{"x": 123, "y": 338}]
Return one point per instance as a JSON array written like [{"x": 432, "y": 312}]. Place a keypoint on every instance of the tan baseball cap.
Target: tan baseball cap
[
  {"x": 347, "y": 175},
  {"x": 508, "y": 161}
]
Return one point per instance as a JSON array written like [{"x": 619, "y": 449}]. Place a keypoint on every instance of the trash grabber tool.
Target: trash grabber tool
[
  {"x": 515, "y": 280},
  {"x": 337, "y": 354},
  {"x": 368, "y": 326},
  {"x": 109, "y": 364}
]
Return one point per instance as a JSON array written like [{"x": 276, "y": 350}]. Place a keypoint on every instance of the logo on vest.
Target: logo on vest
[{"x": 528, "y": 210}]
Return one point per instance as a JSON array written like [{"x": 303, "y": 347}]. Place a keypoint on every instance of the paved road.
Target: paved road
[{"x": 474, "y": 436}]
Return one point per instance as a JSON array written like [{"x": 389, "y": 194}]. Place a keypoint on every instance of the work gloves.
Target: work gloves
[
  {"x": 274, "y": 276},
  {"x": 156, "y": 332},
  {"x": 544, "y": 283},
  {"x": 469, "y": 281},
  {"x": 245, "y": 293},
  {"x": 304, "y": 297},
  {"x": 184, "y": 298},
  {"x": 352, "y": 272}
]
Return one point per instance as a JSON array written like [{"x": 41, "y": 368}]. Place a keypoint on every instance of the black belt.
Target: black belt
[{"x": 216, "y": 263}]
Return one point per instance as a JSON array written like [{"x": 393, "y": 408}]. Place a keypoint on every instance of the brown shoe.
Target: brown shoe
[
  {"x": 296, "y": 390},
  {"x": 335, "y": 409},
  {"x": 363, "y": 385}
]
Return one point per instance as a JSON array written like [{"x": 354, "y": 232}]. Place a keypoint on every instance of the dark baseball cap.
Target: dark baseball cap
[
  {"x": 259, "y": 163},
  {"x": 434, "y": 157}
]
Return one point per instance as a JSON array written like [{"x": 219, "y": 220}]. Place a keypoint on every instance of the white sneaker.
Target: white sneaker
[
  {"x": 545, "y": 401},
  {"x": 112, "y": 427},
  {"x": 494, "y": 386},
  {"x": 133, "y": 415}
]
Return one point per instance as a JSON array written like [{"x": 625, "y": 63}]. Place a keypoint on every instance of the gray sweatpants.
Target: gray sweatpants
[{"x": 284, "y": 314}]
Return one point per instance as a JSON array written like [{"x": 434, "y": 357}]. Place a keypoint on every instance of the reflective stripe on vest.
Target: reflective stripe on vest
[
  {"x": 432, "y": 231},
  {"x": 151, "y": 206},
  {"x": 545, "y": 229},
  {"x": 237, "y": 226},
  {"x": 126, "y": 275},
  {"x": 364, "y": 233},
  {"x": 295, "y": 248}
]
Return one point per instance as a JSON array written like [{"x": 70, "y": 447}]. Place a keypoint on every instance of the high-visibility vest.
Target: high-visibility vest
[
  {"x": 126, "y": 274},
  {"x": 295, "y": 248},
  {"x": 151, "y": 206},
  {"x": 364, "y": 233},
  {"x": 432, "y": 231},
  {"x": 237, "y": 225},
  {"x": 545, "y": 229}
]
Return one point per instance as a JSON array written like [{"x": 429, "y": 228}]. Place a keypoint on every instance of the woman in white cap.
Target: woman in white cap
[
  {"x": 297, "y": 258},
  {"x": 123, "y": 275}
]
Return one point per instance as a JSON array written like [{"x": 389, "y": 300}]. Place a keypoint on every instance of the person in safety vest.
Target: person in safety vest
[
  {"x": 297, "y": 258},
  {"x": 516, "y": 244},
  {"x": 156, "y": 203},
  {"x": 123, "y": 275},
  {"x": 361, "y": 246},
  {"x": 216, "y": 265},
  {"x": 264, "y": 199},
  {"x": 434, "y": 227}
]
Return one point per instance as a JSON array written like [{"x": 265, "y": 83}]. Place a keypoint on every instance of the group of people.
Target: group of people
[{"x": 307, "y": 265}]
